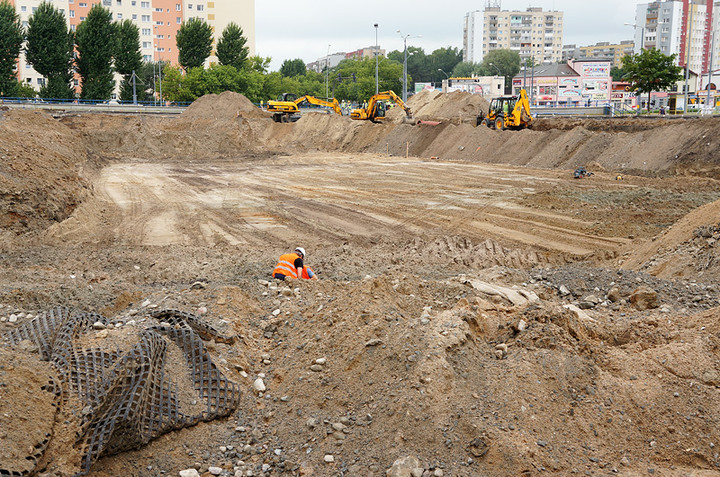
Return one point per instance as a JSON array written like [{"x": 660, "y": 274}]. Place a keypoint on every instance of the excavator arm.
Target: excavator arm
[
  {"x": 371, "y": 112},
  {"x": 334, "y": 105}
]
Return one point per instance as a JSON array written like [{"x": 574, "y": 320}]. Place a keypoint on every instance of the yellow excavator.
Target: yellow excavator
[
  {"x": 286, "y": 108},
  {"x": 377, "y": 107},
  {"x": 508, "y": 112}
]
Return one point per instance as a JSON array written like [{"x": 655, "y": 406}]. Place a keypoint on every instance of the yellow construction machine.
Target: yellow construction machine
[
  {"x": 508, "y": 112},
  {"x": 377, "y": 107},
  {"x": 286, "y": 108}
]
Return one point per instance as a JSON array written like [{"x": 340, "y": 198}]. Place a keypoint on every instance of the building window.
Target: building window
[
  {"x": 23, "y": 8},
  {"x": 178, "y": 7},
  {"x": 189, "y": 6},
  {"x": 134, "y": 17},
  {"x": 145, "y": 4},
  {"x": 179, "y": 20},
  {"x": 146, "y": 31},
  {"x": 146, "y": 18},
  {"x": 71, "y": 13},
  {"x": 200, "y": 8},
  {"x": 146, "y": 44},
  {"x": 83, "y": 5}
]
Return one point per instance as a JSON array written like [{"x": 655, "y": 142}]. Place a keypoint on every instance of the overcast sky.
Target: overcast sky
[{"x": 289, "y": 29}]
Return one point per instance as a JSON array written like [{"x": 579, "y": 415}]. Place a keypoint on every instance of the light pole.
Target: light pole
[
  {"x": 687, "y": 61},
  {"x": 642, "y": 33},
  {"x": 496, "y": 68},
  {"x": 377, "y": 62},
  {"x": 447, "y": 77},
  {"x": 405, "y": 37},
  {"x": 327, "y": 73}
]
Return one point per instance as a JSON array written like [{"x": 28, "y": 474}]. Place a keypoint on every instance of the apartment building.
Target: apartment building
[
  {"x": 678, "y": 27},
  {"x": 533, "y": 33},
  {"x": 157, "y": 20},
  {"x": 604, "y": 49}
]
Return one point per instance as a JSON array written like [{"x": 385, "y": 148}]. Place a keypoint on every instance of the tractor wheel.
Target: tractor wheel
[{"x": 500, "y": 124}]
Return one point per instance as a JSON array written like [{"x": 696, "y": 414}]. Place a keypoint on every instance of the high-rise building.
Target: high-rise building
[
  {"x": 677, "y": 27},
  {"x": 157, "y": 20},
  {"x": 534, "y": 33}
]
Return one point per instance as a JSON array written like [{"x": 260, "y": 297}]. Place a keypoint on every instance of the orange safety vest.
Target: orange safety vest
[
  {"x": 306, "y": 272},
  {"x": 286, "y": 265}
]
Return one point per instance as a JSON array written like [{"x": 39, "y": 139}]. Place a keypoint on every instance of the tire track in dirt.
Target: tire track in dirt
[{"x": 361, "y": 197}]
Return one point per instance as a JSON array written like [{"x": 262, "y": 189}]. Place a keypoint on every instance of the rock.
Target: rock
[
  {"x": 644, "y": 298},
  {"x": 592, "y": 299},
  {"x": 439, "y": 473},
  {"x": 417, "y": 472},
  {"x": 263, "y": 282},
  {"x": 374, "y": 342},
  {"x": 198, "y": 286},
  {"x": 329, "y": 458},
  {"x": 215, "y": 470},
  {"x": 564, "y": 291},
  {"x": 478, "y": 447},
  {"x": 276, "y": 312},
  {"x": 259, "y": 385},
  {"x": 316, "y": 367},
  {"x": 614, "y": 294},
  {"x": 321, "y": 361},
  {"x": 189, "y": 473},
  {"x": 586, "y": 305},
  {"x": 403, "y": 467},
  {"x": 286, "y": 291},
  {"x": 99, "y": 325}
]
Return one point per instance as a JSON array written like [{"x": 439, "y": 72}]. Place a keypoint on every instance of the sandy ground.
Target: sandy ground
[{"x": 481, "y": 318}]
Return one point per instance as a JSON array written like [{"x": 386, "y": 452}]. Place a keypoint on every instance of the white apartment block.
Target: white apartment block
[
  {"x": 533, "y": 33},
  {"x": 677, "y": 27},
  {"x": 157, "y": 20}
]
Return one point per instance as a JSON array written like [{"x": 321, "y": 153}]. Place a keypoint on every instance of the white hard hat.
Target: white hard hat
[{"x": 301, "y": 250}]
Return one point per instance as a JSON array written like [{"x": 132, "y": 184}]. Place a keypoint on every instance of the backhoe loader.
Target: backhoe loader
[
  {"x": 377, "y": 107},
  {"x": 286, "y": 109},
  {"x": 508, "y": 112}
]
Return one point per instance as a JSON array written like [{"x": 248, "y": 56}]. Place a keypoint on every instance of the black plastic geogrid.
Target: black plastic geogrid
[{"x": 128, "y": 398}]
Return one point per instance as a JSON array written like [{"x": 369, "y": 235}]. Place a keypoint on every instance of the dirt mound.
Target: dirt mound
[
  {"x": 44, "y": 171},
  {"x": 457, "y": 107},
  {"x": 690, "y": 248},
  {"x": 221, "y": 107}
]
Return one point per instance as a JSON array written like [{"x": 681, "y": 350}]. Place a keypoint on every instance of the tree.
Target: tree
[
  {"x": 194, "y": 43},
  {"x": 445, "y": 59},
  {"x": 231, "y": 49},
  {"x": 11, "y": 38},
  {"x": 651, "y": 70},
  {"x": 617, "y": 73},
  {"x": 128, "y": 57},
  {"x": 292, "y": 68},
  {"x": 467, "y": 69},
  {"x": 49, "y": 50},
  {"x": 96, "y": 44},
  {"x": 503, "y": 62}
]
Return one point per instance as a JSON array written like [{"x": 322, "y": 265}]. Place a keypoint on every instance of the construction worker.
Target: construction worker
[
  {"x": 308, "y": 274},
  {"x": 290, "y": 265}
]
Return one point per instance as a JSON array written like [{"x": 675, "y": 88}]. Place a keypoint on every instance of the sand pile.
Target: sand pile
[
  {"x": 457, "y": 106},
  {"x": 222, "y": 107}
]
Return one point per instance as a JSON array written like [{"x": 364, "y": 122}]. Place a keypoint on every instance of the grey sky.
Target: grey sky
[{"x": 289, "y": 29}]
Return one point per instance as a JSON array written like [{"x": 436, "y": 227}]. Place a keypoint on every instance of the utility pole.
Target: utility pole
[
  {"x": 160, "y": 75},
  {"x": 377, "y": 62}
]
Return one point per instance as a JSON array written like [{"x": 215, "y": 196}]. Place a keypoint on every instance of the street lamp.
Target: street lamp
[
  {"x": 405, "y": 37},
  {"x": 642, "y": 33},
  {"x": 377, "y": 62},
  {"x": 496, "y": 68}
]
